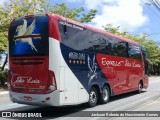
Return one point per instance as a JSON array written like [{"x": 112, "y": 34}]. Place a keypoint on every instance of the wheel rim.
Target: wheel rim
[
  {"x": 93, "y": 97},
  {"x": 105, "y": 94}
]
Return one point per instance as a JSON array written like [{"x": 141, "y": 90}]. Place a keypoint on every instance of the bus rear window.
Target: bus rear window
[{"x": 29, "y": 36}]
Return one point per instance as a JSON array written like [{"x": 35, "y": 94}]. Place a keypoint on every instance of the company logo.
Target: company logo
[
  {"x": 16, "y": 78},
  {"x": 111, "y": 62},
  {"x": 6, "y": 114},
  {"x": 24, "y": 34},
  {"x": 126, "y": 63},
  {"x": 21, "y": 115},
  {"x": 77, "y": 58},
  {"x": 92, "y": 67}
]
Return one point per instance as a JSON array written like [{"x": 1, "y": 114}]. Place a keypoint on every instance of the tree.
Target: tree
[
  {"x": 111, "y": 29},
  {"x": 17, "y": 8},
  {"x": 77, "y": 14}
]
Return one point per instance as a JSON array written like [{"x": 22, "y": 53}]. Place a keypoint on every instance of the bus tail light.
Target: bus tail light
[{"x": 52, "y": 82}]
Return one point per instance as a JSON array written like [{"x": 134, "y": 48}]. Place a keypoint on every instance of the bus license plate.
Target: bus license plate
[{"x": 27, "y": 98}]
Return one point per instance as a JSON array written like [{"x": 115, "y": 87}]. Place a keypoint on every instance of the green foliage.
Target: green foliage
[
  {"x": 77, "y": 14},
  {"x": 88, "y": 17},
  {"x": 17, "y": 8},
  {"x": 3, "y": 41},
  {"x": 111, "y": 29},
  {"x": 151, "y": 46},
  {"x": 3, "y": 77}
]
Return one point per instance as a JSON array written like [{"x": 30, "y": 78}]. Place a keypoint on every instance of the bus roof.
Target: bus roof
[{"x": 58, "y": 17}]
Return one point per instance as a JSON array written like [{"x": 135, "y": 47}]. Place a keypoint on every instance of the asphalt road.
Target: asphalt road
[{"x": 126, "y": 102}]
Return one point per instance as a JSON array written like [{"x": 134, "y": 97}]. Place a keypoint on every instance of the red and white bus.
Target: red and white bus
[{"x": 57, "y": 61}]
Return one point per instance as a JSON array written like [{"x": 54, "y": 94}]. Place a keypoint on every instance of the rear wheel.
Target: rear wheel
[
  {"x": 140, "y": 87},
  {"x": 105, "y": 95},
  {"x": 93, "y": 97}
]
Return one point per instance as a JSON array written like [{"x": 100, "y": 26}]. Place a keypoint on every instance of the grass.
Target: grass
[{"x": 3, "y": 88}]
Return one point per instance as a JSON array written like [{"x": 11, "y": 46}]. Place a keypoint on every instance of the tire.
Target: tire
[
  {"x": 93, "y": 97},
  {"x": 140, "y": 87},
  {"x": 105, "y": 95}
]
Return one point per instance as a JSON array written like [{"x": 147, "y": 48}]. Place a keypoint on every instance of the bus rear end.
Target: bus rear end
[{"x": 30, "y": 80}]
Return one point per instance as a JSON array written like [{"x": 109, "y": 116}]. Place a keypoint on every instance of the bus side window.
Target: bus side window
[
  {"x": 119, "y": 48},
  {"x": 106, "y": 47},
  {"x": 112, "y": 46},
  {"x": 144, "y": 53},
  {"x": 94, "y": 41},
  {"x": 134, "y": 52},
  {"x": 71, "y": 37},
  {"x": 146, "y": 61}
]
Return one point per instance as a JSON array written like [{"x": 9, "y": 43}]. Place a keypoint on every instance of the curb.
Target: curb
[{"x": 3, "y": 93}]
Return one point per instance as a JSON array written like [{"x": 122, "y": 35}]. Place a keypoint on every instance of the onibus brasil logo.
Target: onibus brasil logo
[{"x": 24, "y": 34}]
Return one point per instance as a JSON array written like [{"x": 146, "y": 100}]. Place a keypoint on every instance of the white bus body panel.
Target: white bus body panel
[{"x": 70, "y": 88}]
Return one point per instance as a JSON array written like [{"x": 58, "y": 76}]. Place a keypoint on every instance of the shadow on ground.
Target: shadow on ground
[
  {"x": 3, "y": 88},
  {"x": 65, "y": 111}
]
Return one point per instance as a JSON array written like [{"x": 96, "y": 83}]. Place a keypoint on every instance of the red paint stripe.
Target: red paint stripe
[{"x": 28, "y": 36}]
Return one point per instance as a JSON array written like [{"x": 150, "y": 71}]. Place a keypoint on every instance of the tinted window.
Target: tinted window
[
  {"x": 147, "y": 63},
  {"x": 120, "y": 48},
  {"x": 134, "y": 52},
  {"x": 29, "y": 36},
  {"x": 86, "y": 40},
  {"x": 72, "y": 37},
  {"x": 113, "y": 46},
  {"x": 144, "y": 53}
]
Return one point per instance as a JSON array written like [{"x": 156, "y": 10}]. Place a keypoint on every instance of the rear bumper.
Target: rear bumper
[{"x": 51, "y": 99}]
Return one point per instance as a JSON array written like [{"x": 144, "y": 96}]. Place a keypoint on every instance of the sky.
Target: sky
[{"x": 135, "y": 16}]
